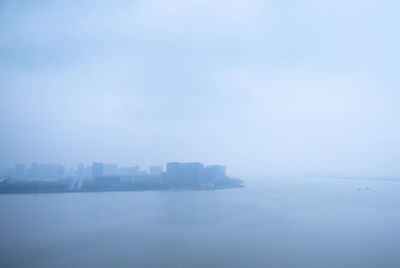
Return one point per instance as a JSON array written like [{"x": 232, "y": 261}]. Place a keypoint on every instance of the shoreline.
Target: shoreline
[{"x": 158, "y": 189}]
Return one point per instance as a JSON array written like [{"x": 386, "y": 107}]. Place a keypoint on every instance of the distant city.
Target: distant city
[{"x": 109, "y": 177}]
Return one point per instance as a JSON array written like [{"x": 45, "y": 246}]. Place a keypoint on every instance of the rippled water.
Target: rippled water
[{"x": 274, "y": 222}]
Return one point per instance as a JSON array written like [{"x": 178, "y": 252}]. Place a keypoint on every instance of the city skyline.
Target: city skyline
[
  {"x": 99, "y": 177},
  {"x": 95, "y": 168}
]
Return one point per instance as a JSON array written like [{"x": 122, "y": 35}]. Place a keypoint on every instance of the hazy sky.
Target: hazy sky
[{"x": 260, "y": 86}]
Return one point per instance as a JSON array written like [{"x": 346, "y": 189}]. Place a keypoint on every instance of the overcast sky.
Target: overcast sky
[{"x": 260, "y": 86}]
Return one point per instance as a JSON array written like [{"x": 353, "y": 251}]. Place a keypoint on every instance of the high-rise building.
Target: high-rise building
[
  {"x": 60, "y": 170},
  {"x": 194, "y": 173},
  {"x": 48, "y": 170},
  {"x": 184, "y": 173},
  {"x": 213, "y": 173},
  {"x": 155, "y": 170},
  {"x": 20, "y": 170},
  {"x": 35, "y": 170},
  {"x": 81, "y": 170},
  {"x": 97, "y": 169},
  {"x": 110, "y": 170},
  {"x": 128, "y": 171}
]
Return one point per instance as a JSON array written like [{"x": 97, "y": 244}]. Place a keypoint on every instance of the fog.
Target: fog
[{"x": 259, "y": 86}]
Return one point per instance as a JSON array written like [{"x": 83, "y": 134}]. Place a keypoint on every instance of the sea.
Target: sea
[{"x": 272, "y": 222}]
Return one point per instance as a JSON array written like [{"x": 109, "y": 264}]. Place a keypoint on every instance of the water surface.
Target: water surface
[{"x": 274, "y": 222}]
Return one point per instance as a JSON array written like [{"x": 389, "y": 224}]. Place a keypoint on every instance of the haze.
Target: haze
[{"x": 259, "y": 86}]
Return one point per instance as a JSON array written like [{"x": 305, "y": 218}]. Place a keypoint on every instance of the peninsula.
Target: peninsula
[{"x": 48, "y": 178}]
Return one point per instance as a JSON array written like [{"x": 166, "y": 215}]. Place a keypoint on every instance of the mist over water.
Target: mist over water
[
  {"x": 274, "y": 222},
  {"x": 288, "y": 87}
]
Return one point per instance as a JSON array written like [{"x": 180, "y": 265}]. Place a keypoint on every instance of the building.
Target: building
[
  {"x": 60, "y": 171},
  {"x": 214, "y": 173},
  {"x": 184, "y": 173},
  {"x": 47, "y": 170},
  {"x": 194, "y": 173},
  {"x": 19, "y": 170},
  {"x": 128, "y": 171},
  {"x": 155, "y": 170},
  {"x": 97, "y": 169},
  {"x": 107, "y": 181},
  {"x": 110, "y": 170},
  {"x": 35, "y": 170},
  {"x": 81, "y": 170}
]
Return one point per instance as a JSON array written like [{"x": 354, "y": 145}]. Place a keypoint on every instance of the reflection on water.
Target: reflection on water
[{"x": 274, "y": 222}]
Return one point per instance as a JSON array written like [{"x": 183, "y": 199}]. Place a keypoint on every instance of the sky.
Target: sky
[{"x": 259, "y": 86}]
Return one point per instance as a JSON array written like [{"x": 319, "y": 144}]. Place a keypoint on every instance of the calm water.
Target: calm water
[{"x": 274, "y": 223}]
